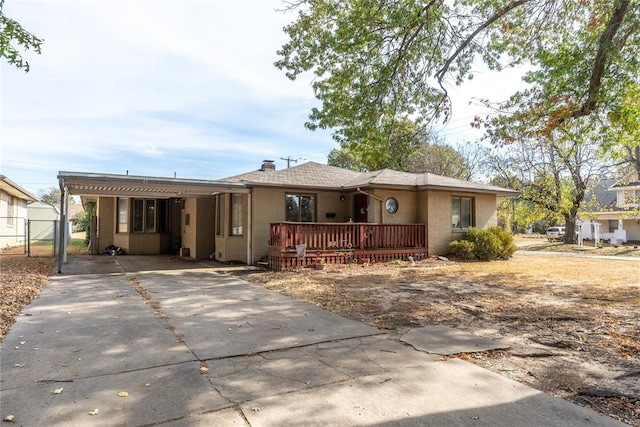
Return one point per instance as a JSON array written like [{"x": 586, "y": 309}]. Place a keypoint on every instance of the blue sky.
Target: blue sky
[{"x": 170, "y": 86}]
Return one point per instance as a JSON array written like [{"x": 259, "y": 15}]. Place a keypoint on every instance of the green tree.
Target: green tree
[
  {"x": 409, "y": 149},
  {"x": 376, "y": 64},
  {"x": 13, "y": 39},
  {"x": 553, "y": 171},
  {"x": 442, "y": 159}
]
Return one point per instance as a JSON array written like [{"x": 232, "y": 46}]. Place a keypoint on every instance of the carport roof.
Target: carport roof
[{"x": 93, "y": 185}]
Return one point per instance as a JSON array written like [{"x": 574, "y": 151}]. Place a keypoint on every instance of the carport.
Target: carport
[{"x": 92, "y": 187}]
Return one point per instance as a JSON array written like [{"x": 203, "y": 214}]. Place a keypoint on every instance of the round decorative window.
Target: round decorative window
[{"x": 391, "y": 205}]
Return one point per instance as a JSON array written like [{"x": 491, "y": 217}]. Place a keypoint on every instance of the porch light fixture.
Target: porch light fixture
[{"x": 342, "y": 198}]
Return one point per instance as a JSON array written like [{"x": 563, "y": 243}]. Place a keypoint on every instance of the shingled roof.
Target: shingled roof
[
  {"x": 309, "y": 174},
  {"x": 316, "y": 175}
]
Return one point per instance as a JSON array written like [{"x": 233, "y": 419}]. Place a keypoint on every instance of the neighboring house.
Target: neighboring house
[
  {"x": 43, "y": 219},
  {"x": 616, "y": 215},
  {"x": 13, "y": 213},
  {"x": 338, "y": 214}
]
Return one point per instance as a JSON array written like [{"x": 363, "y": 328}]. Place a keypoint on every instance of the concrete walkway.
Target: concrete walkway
[{"x": 141, "y": 341}]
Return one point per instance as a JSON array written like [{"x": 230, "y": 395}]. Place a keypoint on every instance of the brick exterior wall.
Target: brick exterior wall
[{"x": 439, "y": 218}]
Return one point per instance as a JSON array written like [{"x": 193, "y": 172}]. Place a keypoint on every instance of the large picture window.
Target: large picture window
[
  {"x": 148, "y": 216},
  {"x": 461, "y": 213},
  {"x": 300, "y": 207},
  {"x": 236, "y": 214}
]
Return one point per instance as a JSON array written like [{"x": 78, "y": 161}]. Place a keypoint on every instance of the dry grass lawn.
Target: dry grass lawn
[{"x": 573, "y": 324}]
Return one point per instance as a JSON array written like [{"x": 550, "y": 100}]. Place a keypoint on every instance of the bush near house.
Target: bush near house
[{"x": 484, "y": 244}]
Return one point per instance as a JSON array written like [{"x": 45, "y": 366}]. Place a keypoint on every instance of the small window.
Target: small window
[
  {"x": 150, "y": 216},
  {"x": 11, "y": 203},
  {"x": 613, "y": 225},
  {"x": 220, "y": 216},
  {"x": 300, "y": 208},
  {"x": 123, "y": 215},
  {"x": 391, "y": 205},
  {"x": 461, "y": 213},
  {"x": 236, "y": 214}
]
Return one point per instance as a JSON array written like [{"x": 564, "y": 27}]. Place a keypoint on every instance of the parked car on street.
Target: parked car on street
[{"x": 555, "y": 233}]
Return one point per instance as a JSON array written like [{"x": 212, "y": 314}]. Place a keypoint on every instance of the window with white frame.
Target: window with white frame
[
  {"x": 123, "y": 215},
  {"x": 11, "y": 207},
  {"x": 236, "y": 214}
]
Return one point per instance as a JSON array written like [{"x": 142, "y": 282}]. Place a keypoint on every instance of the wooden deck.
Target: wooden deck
[{"x": 295, "y": 244}]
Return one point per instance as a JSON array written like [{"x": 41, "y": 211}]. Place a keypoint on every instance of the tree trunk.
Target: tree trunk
[{"x": 570, "y": 228}]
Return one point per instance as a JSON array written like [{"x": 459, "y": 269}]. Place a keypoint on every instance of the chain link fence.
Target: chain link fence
[{"x": 21, "y": 236}]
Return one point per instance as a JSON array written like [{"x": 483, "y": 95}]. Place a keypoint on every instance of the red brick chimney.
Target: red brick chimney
[{"x": 268, "y": 166}]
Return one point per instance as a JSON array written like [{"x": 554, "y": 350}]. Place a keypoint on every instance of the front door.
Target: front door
[{"x": 361, "y": 203}]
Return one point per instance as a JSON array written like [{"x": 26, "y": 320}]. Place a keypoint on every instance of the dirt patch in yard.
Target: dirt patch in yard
[{"x": 573, "y": 324}]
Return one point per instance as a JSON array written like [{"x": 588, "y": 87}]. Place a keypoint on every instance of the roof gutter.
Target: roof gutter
[{"x": 367, "y": 194}]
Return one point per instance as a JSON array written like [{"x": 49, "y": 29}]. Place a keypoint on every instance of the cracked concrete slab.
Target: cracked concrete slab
[
  {"x": 449, "y": 392},
  {"x": 222, "y": 316},
  {"x": 86, "y": 325},
  {"x": 445, "y": 341},
  {"x": 273, "y": 373},
  {"x": 95, "y": 333},
  {"x": 154, "y": 395},
  {"x": 229, "y": 417}
]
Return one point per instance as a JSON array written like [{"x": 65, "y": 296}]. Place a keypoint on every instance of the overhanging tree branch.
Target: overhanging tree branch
[
  {"x": 499, "y": 14},
  {"x": 605, "y": 46}
]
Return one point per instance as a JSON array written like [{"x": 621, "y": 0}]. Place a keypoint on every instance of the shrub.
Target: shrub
[
  {"x": 483, "y": 244},
  {"x": 462, "y": 249},
  {"x": 508, "y": 248}
]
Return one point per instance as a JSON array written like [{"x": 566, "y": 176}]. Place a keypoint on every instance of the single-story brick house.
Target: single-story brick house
[{"x": 337, "y": 214}]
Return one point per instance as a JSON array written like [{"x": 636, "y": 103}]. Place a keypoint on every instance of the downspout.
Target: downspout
[
  {"x": 61, "y": 234},
  {"x": 373, "y": 197},
  {"x": 249, "y": 231}
]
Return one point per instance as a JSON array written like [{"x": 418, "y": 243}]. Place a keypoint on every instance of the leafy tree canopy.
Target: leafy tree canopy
[
  {"x": 409, "y": 149},
  {"x": 376, "y": 64},
  {"x": 13, "y": 39}
]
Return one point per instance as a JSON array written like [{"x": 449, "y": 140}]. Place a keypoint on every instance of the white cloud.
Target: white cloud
[{"x": 153, "y": 87}]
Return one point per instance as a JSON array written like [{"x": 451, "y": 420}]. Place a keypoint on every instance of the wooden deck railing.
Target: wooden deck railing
[
  {"x": 337, "y": 243},
  {"x": 323, "y": 236}
]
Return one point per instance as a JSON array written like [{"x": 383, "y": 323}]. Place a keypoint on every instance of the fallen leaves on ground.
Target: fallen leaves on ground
[
  {"x": 571, "y": 322},
  {"x": 21, "y": 280}
]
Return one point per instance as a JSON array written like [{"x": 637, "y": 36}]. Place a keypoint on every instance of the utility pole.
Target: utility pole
[{"x": 289, "y": 160}]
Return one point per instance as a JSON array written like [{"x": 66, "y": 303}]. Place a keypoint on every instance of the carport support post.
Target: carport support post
[{"x": 61, "y": 234}]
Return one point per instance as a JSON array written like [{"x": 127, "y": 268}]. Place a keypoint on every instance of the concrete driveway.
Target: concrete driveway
[{"x": 141, "y": 341}]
